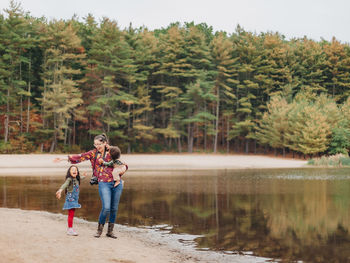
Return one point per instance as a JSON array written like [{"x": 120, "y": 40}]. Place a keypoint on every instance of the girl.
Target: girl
[{"x": 71, "y": 187}]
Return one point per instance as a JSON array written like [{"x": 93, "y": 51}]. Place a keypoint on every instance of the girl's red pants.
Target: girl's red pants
[{"x": 70, "y": 217}]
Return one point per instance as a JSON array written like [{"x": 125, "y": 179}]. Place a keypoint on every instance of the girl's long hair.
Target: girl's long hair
[{"x": 69, "y": 175}]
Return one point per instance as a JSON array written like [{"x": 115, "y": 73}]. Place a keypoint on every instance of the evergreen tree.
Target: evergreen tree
[
  {"x": 171, "y": 78},
  {"x": 111, "y": 75},
  {"x": 337, "y": 70},
  {"x": 196, "y": 114},
  {"x": 60, "y": 93},
  {"x": 226, "y": 82},
  {"x": 309, "y": 66},
  {"x": 14, "y": 42}
]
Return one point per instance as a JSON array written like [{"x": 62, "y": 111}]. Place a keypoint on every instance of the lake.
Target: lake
[{"x": 285, "y": 214}]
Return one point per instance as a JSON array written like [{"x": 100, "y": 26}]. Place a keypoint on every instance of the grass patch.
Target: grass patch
[{"x": 338, "y": 160}]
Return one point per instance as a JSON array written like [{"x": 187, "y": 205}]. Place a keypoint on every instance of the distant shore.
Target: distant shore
[{"x": 42, "y": 164}]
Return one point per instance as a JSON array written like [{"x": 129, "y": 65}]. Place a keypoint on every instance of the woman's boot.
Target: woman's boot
[
  {"x": 99, "y": 230},
  {"x": 110, "y": 231}
]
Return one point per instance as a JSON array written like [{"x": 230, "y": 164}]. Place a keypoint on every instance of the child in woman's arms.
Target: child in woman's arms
[{"x": 119, "y": 167}]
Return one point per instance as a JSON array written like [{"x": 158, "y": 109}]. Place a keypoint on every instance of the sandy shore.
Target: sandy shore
[
  {"x": 40, "y": 164},
  {"x": 34, "y": 236}
]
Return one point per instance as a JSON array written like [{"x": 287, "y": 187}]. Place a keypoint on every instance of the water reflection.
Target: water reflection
[{"x": 295, "y": 214}]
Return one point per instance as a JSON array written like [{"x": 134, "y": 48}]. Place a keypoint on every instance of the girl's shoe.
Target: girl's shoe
[{"x": 71, "y": 232}]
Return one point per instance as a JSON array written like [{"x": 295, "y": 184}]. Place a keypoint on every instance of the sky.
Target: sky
[{"x": 315, "y": 19}]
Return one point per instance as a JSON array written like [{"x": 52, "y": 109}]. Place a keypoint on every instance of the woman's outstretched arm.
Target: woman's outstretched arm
[{"x": 77, "y": 158}]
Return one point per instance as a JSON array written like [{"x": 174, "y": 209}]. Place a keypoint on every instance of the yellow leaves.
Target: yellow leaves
[
  {"x": 168, "y": 132},
  {"x": 127, "y": 102},
  {"x": 303, "y": 125}
]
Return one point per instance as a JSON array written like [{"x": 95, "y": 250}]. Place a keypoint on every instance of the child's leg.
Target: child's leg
[
  {"x": 116, "y": 179},
  {"x": 70, "y": 217}
]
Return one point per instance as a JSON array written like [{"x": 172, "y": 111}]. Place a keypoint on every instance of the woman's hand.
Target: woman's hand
[
  {"x": 119, "y": 169},
  {"x": 58, "y": 194},
  {"x": 122, "y": 169},
  {"x": 57, "y": 160}
]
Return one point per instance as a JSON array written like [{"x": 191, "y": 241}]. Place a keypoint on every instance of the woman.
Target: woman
[{"x": 109, "y": 194}]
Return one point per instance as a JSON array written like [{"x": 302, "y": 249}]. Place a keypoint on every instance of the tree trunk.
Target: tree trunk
[
  {"x": 227, "y": 133},
  {"x": 223, "y": 133},
  {"x": 73, "y": 133},
  {"x": 129, "y": 148},
  {"x": 7, "y": 117},
  {"x": 205, "y": 130},
  {"x": 20, "y": 101},
  {"x": 205, "y": 137},
  {"x": 53, "y": 144},
  {"x": 54, "y": 141},
  {"x": 236, "y": 146},
  {"x": 170, "y": 143},
  {"x": 217, "y": 121},
  {"x": 189, "y": 138},
  {"x": 21, "y": 113},
  {"x": 247, "y": 146},
  {"x": 66, "y": 133},
  {"x": 255, "y": 147},
  {"x": 29, "y": 90},
  {"x": 197, "y": 137},
  {"x": 179, "y": 144}
]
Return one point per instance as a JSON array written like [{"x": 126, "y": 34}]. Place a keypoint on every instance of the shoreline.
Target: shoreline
[
  {"x": 42, "y": 164},
  {"x": 31, "y": 233}
]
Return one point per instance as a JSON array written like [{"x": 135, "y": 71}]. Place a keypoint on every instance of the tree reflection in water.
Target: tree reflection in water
[{"x": 305, "y": 217}]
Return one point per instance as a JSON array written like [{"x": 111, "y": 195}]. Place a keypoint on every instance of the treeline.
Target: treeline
[{"x": 180, "y": 88}]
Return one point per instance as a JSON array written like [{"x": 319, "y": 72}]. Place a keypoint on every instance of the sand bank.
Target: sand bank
[
  {"x": 40, "y": 164},
  {"x": 35, "y": 237}
]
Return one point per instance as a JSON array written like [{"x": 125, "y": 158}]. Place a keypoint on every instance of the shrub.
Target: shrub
[{"x": 337, "y": 160}]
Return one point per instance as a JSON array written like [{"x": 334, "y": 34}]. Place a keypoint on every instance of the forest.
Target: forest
[{"x": 183, "y": 88}]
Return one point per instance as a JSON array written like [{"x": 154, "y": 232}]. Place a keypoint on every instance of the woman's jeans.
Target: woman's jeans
[{"x": 110, "y": 197}]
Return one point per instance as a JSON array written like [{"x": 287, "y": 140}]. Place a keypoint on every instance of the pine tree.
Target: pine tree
[
  {"x": 171, "y": 77},
  {"x": 337, "y": 70},
  {"x": 310, "y": 62},
  {"x": 249, "y": 57},
  {"x": 60, "y": 95},
  {"x": 145, "y": 47},
  {"x": 14, "y": 41},
  {"x": 226, "y": 81},
  {"x": 111, "y": 76},
  {"x": 196, "y": 113}
]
